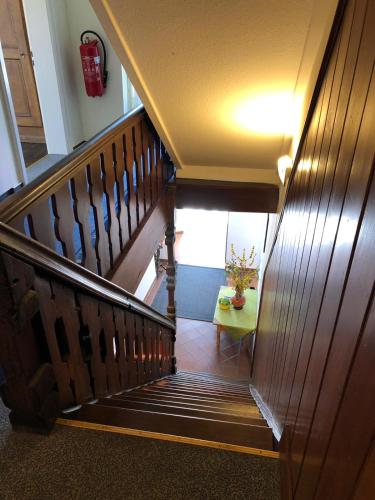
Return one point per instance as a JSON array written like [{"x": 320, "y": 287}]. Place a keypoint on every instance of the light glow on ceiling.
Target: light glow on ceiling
[{"x": 266, "y": 114}]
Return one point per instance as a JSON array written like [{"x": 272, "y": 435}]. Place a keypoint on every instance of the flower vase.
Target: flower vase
[{"x": 238, "y": 301}]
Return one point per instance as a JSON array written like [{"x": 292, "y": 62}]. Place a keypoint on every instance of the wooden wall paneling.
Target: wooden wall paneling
[
  {"x": 90, "y": 317},
  {"x": 349, "y": 438},
  {"x": 81, "y": 209},
  {"x": 96, "y": 200},
  {"x": 64, "y": 221},
  {"x": 108, "y": 331},
  {"x": 294, "y": 252},
  {"x": 139, "y": 162},
  {"x": 132, "y": 193},
  {"x": 306, "y": 324},
  {"x": 357, "y": 288},
  {"x": 109, "y": 187},
  {"x": 340, "y": 258},
  {"x": 121, "y": 178},
  {"x": 323, "y": 188},
  {"x": 365, "y": 486},
  {"x": 310, "y": 363},
  {"x": 49, "y": 315}
]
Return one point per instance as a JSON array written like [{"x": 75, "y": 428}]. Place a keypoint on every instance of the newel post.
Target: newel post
[
  {"x": 170, "y": 236},
  {"x": 29, "y": 381}
]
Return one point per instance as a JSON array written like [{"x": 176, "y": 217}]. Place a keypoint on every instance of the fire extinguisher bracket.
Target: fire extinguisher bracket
[{"x": 94, "y": 74}]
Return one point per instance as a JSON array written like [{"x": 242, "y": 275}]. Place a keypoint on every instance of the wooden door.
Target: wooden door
[{"x": 18, "y": 61}]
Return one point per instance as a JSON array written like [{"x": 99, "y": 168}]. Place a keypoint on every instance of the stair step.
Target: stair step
[
  {"x": 207, "y": 429},
  {"x": 250, "y": 409},
  {"x": 176, "y": 409},
  {"x": 210, "y": 376},
  {"x": 209, "y": 386},
  {"x": 197, "y": 393}
]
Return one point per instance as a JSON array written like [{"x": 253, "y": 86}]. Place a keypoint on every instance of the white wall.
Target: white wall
[
  {"x": 69, "y": 115},
  {"x": 96, "y": 112},
  {"x": 40, "y": 35},
  {"x": 11, "y": 162},
  {"x": 146, "y": 281},
  {"x": 246, "y": 230}
]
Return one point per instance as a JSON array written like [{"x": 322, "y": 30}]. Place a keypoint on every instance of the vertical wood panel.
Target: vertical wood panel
[{"x": 313, "y": 348}]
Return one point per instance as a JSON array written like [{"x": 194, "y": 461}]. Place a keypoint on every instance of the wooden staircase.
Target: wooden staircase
[{"x": 189, "y": 405}]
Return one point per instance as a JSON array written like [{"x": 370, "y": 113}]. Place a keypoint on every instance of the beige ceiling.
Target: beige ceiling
[{"x": 225, "y": 81}]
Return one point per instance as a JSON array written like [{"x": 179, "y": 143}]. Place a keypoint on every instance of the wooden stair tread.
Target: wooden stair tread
[
  {"x": 211, "y": 376},
  {"x": 197, "y": 394},
  {"x": 178, "y": 425},
  {"x": 206, "y": 386},
  {"x": 157, "y": 406},
  {"x": 251, "y": 409}
]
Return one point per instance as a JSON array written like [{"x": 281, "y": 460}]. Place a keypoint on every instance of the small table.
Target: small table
[{"x": 236, "y": 323}]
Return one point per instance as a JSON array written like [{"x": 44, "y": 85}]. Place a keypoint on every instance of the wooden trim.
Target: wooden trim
[
  {"x": 225, "y": 195},
  {"x": 63, "y": 170},
  {"x": 168, "y": 437},
  {"x": 48, "y": 261}
]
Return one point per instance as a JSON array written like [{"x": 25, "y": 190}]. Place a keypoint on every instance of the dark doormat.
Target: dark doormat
[{"x": 196, "y": 292}]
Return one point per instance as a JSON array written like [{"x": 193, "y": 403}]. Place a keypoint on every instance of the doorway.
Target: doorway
[{"x": 19, "y": 65}]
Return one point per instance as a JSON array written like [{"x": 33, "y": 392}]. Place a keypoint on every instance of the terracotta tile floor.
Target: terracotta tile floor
[{"x": 196, "y": 350}]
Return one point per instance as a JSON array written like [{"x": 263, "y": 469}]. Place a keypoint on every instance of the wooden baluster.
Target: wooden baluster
[
  {"x": 40, "y": 223},
  {"x": 49, "y": 315},
  {"x": 132, "y": 192},
  {"x": 138, "y": 157},
  {"x": 123, "y": 346},
  {"x": 96, "y": 194},
  {"x": 139, "y": 349},
  {"x": 67, "y": 310},
  {"x": 153, "y": 348},
  {"x": 121, "y": 177},
  {"x": 81, "y": 209},
  {"x": 109, "y": 184},
  {"x": 161, "y": 166},
  {"x": 108, "y": 327},
  {"x": 158, "y": 350},
  {"x": 146, "y": 166},
  {"x": 154, "y": 176},
  {"x": 90, "y": 317},
  {"x": 147, "y": 349},
  {"x": 64, "y": 221},
  {"x": 131, "y": 354}
]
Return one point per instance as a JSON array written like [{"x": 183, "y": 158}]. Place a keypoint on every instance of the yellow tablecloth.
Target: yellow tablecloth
[{"x": 237, "y": 323}]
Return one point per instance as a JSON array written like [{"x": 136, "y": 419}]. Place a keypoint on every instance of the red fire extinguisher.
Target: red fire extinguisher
[{"x": 94, "y": 75}]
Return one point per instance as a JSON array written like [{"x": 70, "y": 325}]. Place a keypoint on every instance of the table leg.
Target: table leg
[{"x": 218, "y": 331}]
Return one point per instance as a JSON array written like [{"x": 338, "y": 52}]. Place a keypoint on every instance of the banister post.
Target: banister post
[{"x": 170, "y": 236}]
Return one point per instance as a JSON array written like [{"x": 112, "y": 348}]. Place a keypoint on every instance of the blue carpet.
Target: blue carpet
[{"x": 196, "y": 292}]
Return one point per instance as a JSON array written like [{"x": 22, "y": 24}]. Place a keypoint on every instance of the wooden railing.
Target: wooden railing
[
  {"x": 69, "y": 336},
  {"x": 90, "y": 206}
]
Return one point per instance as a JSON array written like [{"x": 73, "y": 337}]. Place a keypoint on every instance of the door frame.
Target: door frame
[{"x": 12, "y": 122}]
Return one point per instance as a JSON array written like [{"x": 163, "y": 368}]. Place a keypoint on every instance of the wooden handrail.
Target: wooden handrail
[
  {"x": 60, "y": 267},
  {"x": 64, "y": 169}
]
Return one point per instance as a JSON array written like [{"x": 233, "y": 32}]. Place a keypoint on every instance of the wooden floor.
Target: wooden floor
[{"x": 196, "y": 351}]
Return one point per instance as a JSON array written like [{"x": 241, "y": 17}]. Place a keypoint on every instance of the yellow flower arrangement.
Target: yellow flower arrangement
[{"x": 240, "y": 271}]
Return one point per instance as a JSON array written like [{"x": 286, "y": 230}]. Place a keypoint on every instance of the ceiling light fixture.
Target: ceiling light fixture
[{"x": 284, "y": 165}]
